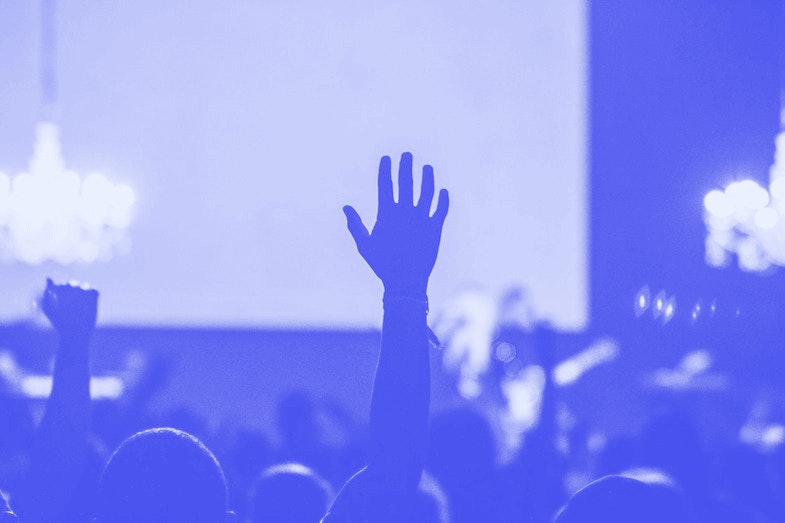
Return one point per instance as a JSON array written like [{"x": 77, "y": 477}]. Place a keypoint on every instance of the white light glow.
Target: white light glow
[
  {"x": 571, "y": 369},
  {"x": 773, "y": 435},
  {"x": 669, "y": 311},
  {"x": 467, "y": 326},
  {"x": 777, "y": 189},
  {"x": 718, "y": 204},
  {"x": 747, "y": 194},
  {"x": 50, "y": 213},
  {"x": 642, "y": 300},
  {"x": 696, "y": 362},
  {"x": 523, "y": 395},
  {"x": 767, "y": 218},
  {"x": 101, "y": 387},
  {"x": 746, "y": 220}
]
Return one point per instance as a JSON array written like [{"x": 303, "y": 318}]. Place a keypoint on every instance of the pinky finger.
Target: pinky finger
[{"x": 442, "y": 207}]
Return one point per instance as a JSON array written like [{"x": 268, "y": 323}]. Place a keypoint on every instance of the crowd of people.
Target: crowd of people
[{"x": 406, "y": 468}]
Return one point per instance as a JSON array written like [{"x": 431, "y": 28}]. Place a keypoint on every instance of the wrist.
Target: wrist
[
  {"x": 407, "y": 287},
  {"x": 409, "y": 299},
  {"x": 75, "y": 336}
]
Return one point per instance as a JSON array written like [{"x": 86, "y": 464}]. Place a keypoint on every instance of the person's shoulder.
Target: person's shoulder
[{"x": 364, "y": 499}]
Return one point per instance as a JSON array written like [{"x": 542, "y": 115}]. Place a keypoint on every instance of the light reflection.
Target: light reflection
[
  {"x": 642, "y": 300},
  {"x": 505, "y": 352},
  {"x": 696, "y": 311},
  {"x": 669, "y": 311},
  {"x": 691, "y": 373},
  {"x": 659, "y": 303},
  {"x": 513, "y": 368}
]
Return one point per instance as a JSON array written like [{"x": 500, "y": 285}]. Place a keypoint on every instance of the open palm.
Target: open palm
[{"x": 403, "y": 245}]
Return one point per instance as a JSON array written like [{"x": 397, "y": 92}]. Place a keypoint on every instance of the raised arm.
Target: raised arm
[
  {"x": 59, "y": 448},
  {"x": 401, "y": 249}
]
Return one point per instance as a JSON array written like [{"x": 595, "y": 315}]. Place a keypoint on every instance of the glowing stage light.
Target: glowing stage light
[
  {"x": 746, "y": 220},
  {"x": 642, "y": 301},
  {"x": 51, "y": 213}
]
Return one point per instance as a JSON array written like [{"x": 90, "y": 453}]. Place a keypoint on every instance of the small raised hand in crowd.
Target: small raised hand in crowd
[{"x": 58, "y": 451}]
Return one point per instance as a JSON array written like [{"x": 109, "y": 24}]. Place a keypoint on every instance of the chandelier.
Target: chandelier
[
  {"x": 748, "y": 220},
  {"x": 51, "y": 213}
]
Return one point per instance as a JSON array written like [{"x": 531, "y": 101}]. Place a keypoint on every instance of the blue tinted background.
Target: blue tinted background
[{"x": 244, "y": 126}]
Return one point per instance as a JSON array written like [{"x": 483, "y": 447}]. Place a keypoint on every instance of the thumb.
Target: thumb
[{"x": 356, "y": 227}]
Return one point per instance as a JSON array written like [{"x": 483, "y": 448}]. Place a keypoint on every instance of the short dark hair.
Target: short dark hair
[
  {"x": 162, "y": 475},
  {"x": 289, "y": 492},
  {"x": 617, "y": 499}
]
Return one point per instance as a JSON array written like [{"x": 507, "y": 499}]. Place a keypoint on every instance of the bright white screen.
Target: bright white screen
[{"x": 244, "y": 126}]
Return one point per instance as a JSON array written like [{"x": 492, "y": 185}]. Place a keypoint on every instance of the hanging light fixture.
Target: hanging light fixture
[
  {"x": 51, "y": 212},
  {"x": 748, "y": 220}
]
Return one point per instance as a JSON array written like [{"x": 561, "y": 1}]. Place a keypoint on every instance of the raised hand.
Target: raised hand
[
  {"x": 404, "y": 242},
  {"x": 57, "y": 455},
  {"x": 71, "y": 308}
]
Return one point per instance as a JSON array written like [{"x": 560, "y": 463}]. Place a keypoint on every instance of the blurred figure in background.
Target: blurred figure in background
[{"x": 462, "y": 454}]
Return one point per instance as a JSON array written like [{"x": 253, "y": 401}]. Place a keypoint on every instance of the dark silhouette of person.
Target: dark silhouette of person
[
  {"x": 162, "y": 475},
  {"x": 289, "y": 493},
  {"x": 462, "y": 454},
  {"x": 59, "y": 450},
  {"x": 619, "y": 499},
  {"x": 401, "y": 249}
]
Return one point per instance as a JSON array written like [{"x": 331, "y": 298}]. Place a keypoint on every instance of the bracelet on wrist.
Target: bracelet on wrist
[{"x": 391, "y": 297}]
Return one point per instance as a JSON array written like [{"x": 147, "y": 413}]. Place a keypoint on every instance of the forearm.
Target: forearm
[
  {"x": 68, "y": 405},
  {"x": 401, "y": 250},
  {"x": 59, "y": 447},
  {"x": 401, "y": 394}
]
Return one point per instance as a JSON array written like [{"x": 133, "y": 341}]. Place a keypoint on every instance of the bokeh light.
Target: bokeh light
[
  {"x": 51, "y": 213},
  {"x": 745, "y": 220}
]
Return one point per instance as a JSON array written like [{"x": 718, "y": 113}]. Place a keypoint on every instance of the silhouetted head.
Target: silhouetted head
[
  {"x": 289, "y": 493},
  {"x": 619, "y": 499},
  {"x": 162, "y": 476},
  {"x": 296, "y": 418}
]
